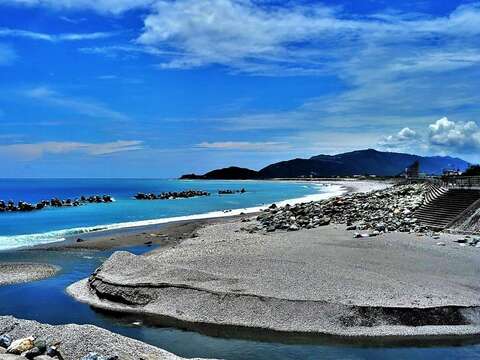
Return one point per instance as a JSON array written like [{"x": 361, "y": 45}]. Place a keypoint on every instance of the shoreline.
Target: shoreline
[
  {"x": 76, "y": 341},
  {"x": 187, "y": 299},
  {"x": 68, "y": 234},
  {"x": 118, "y": 230},
  {"x": 322, "y": 281}
]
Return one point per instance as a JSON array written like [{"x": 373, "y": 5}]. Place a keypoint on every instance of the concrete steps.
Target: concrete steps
[{"x": 442, "y": 206}]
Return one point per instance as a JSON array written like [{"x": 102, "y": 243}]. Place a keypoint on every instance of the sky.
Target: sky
[{"x": 158, "y": 88}]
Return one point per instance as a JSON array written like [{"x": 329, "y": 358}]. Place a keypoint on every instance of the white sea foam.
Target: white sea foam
[{"x": 17, "y": 241}]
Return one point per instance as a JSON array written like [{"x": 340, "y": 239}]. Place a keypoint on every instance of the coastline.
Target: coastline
[
  {"x": 60, "y": 236},
  {"x": 406, "y": 288},
  {"x": 328, "y": 284},
  {"x": 76, "y": 341},
  {"x": 165, "y": 229}
]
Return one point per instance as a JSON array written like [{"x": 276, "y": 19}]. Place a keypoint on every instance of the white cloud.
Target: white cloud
[
  {"x": 101, "y": 6},
  {"x": 443, "y": 136},
  {"x": 73, "y": 20},
  {"x": 404, "y": 139},
  {"x": 81, "y": 106},
  {"x": 249, "y": 36},
  {"x": 455, "y": 136},
  {"x": 243, "y": 145},
  {"x": 7, "y": 55},
  {"x": 5, "y": 32},
  {"x": 32, "y": 151}
]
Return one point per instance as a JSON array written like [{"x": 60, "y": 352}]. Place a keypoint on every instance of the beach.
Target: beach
[
  {"x": 13, "y": 273},
  {"x": 217, "y": 276},
  {"x": 170, "y": 231},
  {"x": 382, "y": 286},
  {"x": 77, "y": 341}
]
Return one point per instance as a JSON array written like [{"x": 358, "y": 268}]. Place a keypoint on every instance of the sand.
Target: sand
[
  {"x": 317, "y": 281},
  {"x": 12, "y": 273},
  {"x": 79, "y": 340}
]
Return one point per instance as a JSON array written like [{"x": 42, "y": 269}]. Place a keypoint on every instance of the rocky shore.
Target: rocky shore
[
  {"x": 12, "y": 273},
  {"x": 170, "y": 195},
  {"x": 25, "y": 339},
  {"x": 23, "y": 206},
  {"x": 381, "y": 211}
]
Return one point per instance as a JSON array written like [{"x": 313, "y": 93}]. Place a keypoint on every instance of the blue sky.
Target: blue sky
[{"x": 157, "y": 88}]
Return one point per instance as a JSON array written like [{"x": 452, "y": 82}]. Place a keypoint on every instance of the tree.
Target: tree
[{"x": 473, "y": 170}]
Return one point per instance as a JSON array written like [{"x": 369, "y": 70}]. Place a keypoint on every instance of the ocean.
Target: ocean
[{"x": 20, "y": 229}]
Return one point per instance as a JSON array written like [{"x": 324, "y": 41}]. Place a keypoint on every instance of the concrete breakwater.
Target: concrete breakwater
[
  {"x": 23, "y": 206},
  {"x": 171, "y": 195},
  {"x": 231, "y": 192}
]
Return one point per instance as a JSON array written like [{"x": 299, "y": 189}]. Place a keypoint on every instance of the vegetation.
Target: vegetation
[{"x": 473, "y": 170}]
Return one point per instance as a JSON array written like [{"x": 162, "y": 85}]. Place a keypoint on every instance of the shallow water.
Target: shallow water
[{"x": 46, "y": 301}]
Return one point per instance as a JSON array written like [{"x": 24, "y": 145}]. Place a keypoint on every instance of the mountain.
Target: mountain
[
  {"x": 361, "y": 162},
  {"x": 230, "y": 173}
]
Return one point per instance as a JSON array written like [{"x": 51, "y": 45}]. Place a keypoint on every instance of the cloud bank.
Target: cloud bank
[
  {"x": 17, "y": 33},
  {"x": 443, "y": 135},
  {"x": 32, "y": 151},
  {"x": 81, "y": 106},
  {"x": 101, "y": 6}
]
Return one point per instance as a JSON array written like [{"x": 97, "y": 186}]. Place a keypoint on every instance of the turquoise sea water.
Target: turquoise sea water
[{"x": 50, "y": 224}]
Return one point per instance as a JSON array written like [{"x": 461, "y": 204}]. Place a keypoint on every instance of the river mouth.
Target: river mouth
[
  {"x": 290, "y": 338},
  {"x": 204, "y": 340}
]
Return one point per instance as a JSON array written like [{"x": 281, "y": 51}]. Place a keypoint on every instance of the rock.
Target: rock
[
  {"x": 21, "y": 345},
  {"x": 293, "y": 227},
  {"x": 473, "y": 242},
  {"x": 358, "y": 235},
  {"x": 171, "y": 195},
  {"x": 52, "y": 351},
  {"x": 440, "y": 243},
  {"x": 32, "y": 353},
  {"x": 385, "y": 210},
  {"x": 41, "y": 345},
  {"x": 5, "y": 341},
  {"x": 80, "y": 240}
]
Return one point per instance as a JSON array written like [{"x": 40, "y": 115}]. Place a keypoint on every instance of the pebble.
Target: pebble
[
  {"x": 21, "y": 345},
  {"x": 381, "y": 211},
  {"x": 5, "y": 341}
]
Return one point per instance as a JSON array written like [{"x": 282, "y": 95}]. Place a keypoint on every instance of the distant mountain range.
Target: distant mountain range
[{"x": 361, "y": 162}]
